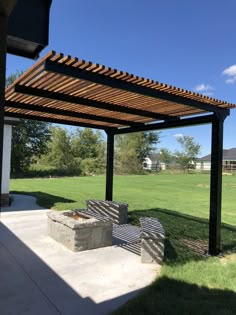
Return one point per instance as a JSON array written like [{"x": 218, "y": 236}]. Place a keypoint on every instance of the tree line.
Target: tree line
[
  {"x": 49, "y": 148},
  {"x": 40, "y": 148}
]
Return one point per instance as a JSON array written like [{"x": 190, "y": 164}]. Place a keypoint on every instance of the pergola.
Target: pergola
[{"x": 66, "y": 90}]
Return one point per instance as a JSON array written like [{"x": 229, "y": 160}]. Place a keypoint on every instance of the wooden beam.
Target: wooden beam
[
  {"x": 126, "y": 86},
  {"x": 71, "y": 114},
  {"x": 81, "y": 101},
  {"x": 57, "y": 121}
]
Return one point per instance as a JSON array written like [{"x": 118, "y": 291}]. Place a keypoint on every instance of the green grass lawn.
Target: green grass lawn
[
  {"x": 187, "y": 194},
  {"x": 190, "y": 283}
]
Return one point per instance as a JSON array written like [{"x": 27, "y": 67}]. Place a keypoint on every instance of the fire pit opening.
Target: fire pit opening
[{"x": 78, "y": 216}]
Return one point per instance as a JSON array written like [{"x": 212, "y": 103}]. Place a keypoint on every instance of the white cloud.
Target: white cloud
[
  {"x": 178, "y": 135},
  {"x": 230, "y": 81},
  {"x": 208, "y": 93},
  {"x": 204, "y": 88},
  {"x": 230, "y": 72}
]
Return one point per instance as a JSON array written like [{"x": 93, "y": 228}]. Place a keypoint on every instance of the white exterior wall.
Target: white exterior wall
[
  {"x": 6, "y": 159},
  {"x": 148, "y": 164},
  {"x": 162, "y": 166},
  {"x": 204, "y": 165}
]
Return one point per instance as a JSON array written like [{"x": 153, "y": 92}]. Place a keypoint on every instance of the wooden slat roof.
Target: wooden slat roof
[{"x": 67, "y": 90}]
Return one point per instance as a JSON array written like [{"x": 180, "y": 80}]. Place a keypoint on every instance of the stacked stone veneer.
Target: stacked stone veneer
[
  {"x": 79, "y": 235},
  {"x": 116, "y": 211},
  {"x": 152, "y": 241}
]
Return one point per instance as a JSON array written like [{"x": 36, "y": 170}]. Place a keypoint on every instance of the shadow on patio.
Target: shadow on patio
[{"x": 30, "y": 286}]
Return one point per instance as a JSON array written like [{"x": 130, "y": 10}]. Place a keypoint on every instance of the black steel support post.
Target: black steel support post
[
  {"x": 3, "y": 52},
  {"x": 110, "y": 164},
  {"x": 216, "y": 185}
]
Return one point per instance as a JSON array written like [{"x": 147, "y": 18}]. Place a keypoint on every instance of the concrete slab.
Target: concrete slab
[{"x": 40, "y": 276}]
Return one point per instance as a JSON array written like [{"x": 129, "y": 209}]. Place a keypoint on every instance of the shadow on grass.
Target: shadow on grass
[
  {"x": 170, "y": 296},
  {"x": 43, "y": 199},
  {"x": 186, "y": 242},
  {"x": 186, "y": 236}
]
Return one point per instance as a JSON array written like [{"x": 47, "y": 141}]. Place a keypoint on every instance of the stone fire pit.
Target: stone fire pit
[{"x": 78, "y": 231}]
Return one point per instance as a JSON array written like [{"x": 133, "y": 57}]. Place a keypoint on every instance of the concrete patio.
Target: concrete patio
[{"x": 40, "y": 276}]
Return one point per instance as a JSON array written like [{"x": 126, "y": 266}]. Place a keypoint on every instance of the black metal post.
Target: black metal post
[
  {"x": 110, "y": 164},
  {"x": 216, "y": 185},
  {"x": 3, "y": 52}
]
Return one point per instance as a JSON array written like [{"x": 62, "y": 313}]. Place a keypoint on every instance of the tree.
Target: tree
[
  {"x": 166, "y": 156},
  {"x": 86, "y": 143},
  {"x": 89, "y": 147},
  {"x": 12, "y": 78},
  {"x": 80, "y": 152},
  {"x": 190, "y": 150},
  {"x": 59, "y": 150},
  {"x": 29, "y": 139},
  {"x": 29, "y": 142},
  {"x": 131, "y": 149}
]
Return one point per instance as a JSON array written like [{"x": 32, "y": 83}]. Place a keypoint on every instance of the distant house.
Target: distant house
[
  {"x": 152, "y": 163},
  {"x": 229, "y": 161}
]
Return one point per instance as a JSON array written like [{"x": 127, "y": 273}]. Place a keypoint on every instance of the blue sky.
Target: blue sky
[{"x": 188, "y": 44}]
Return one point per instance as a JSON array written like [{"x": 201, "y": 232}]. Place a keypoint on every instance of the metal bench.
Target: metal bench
[{"x": 152, "y": 237}]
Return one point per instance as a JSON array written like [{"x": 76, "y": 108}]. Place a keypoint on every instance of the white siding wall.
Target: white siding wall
[
  {"x": 6, "y": 159},
  {"x": 163, "y": 166},
  {"x": 204, "y": 165},
  {"x": 147, "y": 164},
  {"x": 198, "y": 165}
]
